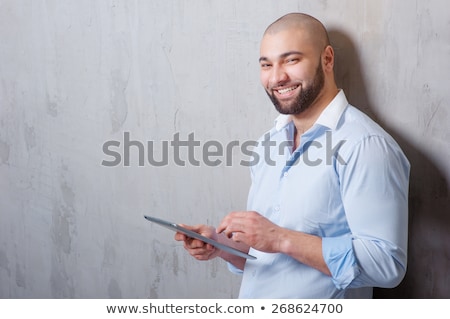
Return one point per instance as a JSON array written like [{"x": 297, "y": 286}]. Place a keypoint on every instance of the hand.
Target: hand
[
  {"x": 197, "y": 248},
  {"x": 253, "y": 229}
]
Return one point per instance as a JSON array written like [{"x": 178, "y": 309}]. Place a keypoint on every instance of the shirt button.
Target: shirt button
[
  {"x": 285, "y": 174},
  {"x": 277, "y": 208}
]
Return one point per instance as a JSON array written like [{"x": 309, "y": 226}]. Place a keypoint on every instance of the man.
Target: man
[{"x": 327, "y": 211}]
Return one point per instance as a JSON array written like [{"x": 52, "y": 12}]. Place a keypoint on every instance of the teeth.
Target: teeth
[{"x": 283, "y": 91}]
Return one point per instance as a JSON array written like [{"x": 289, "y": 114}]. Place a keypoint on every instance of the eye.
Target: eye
[
  {"x": 292, "y": 60},
  {"x": 265, "y": 65}
]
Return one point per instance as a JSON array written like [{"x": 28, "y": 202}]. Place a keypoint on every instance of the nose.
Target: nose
[{"x": 278, "y": 76}]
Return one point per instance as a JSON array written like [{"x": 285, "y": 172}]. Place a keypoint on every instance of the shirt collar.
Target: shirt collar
[{"x": 329, "y": 117}]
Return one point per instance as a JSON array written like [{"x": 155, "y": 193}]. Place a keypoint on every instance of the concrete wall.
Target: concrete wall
[{"x": 77, "y": 74}]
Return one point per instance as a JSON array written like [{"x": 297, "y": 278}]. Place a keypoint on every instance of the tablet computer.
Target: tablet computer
[{"x": 192, "y": 234}]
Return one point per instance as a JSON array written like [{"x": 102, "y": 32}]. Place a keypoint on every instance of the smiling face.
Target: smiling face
[{"x": 291, "y": 70}]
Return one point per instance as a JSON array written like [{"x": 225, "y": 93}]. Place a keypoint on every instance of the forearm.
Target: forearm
[
  {"x": 303, "y": 247},
  {"x": 351, "y": 261}
]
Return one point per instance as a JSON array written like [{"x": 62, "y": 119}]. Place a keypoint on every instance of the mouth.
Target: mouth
[{"x": 287, "y": 90}]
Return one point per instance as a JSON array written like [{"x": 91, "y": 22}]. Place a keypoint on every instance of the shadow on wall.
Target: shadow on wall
[{"x": 428, "y": 274}]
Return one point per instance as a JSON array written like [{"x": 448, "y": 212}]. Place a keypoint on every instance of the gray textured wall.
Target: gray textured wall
[{"x": 76, "y": 74}]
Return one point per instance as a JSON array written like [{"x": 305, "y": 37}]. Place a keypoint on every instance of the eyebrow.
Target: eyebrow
[{"x": 282, "y": 56}]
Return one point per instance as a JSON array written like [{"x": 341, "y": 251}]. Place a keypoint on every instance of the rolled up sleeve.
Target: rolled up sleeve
[
  {"x": 341, "y": 261},
  {"x": 374, "y": 189}
]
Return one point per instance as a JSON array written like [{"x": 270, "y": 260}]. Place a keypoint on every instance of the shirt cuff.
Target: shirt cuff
[
  {"x": 234, "y": 269},
  {"x": 340, "y": 259}
]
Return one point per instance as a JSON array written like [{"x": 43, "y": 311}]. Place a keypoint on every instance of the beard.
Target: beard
[{"x": 305, "y": 98}]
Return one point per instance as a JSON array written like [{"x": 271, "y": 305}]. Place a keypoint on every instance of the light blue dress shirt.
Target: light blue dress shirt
[{"x": 347, "y": 182}]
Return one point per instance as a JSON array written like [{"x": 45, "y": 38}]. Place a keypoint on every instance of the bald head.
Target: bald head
[{"x": 302, "y": 22}]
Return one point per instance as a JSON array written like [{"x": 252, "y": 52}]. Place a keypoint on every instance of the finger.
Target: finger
[
  {"x": 222, "y": 226},
  {"x": 201, "y": 253},
  {"x": 231, "y": 222},
  {"x": 203, "y": 230},
  {"x": 233, "y": 226},
  {"x": 235, "y": 236},
  {"x": 187, "y": 226},
  {"x": 202, "y": 257},
  {"x": 195, "y": 243},
  {"x": 225, "y": 223},
  {"x": 226, "y": 230},
  {"x": 180, "y": 237}
]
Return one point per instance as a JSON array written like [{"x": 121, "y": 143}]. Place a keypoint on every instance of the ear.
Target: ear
[{"x": 328, "y": 58}]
